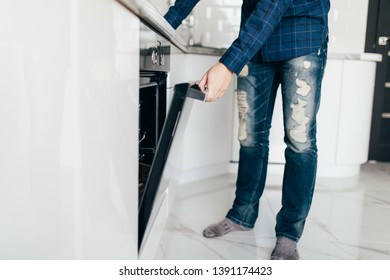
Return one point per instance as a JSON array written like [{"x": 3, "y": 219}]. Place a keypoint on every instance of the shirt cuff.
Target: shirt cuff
[
  {"x": 234, "y": 59},
  {"x": 173, "y": 18}
]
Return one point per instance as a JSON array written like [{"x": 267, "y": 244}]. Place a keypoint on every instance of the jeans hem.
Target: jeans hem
[
  {"x": 241, "y": 223},
  {"x": 293, "y": 238}
]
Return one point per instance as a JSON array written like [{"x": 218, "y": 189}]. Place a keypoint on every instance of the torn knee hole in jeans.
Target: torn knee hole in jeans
[
  {"x": 298, "y": 132},
  {"x": 242, "y": 110},
  {"x": 303, "y": 87}
]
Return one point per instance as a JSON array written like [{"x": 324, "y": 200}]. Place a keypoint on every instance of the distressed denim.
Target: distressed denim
[{"x": 300, "y": 79}]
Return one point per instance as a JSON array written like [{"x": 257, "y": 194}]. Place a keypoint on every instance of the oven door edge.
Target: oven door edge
[{"x": 176, "y": 118}]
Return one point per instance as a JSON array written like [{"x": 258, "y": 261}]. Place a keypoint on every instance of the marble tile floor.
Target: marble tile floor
[{"x": 350, "y": 221}]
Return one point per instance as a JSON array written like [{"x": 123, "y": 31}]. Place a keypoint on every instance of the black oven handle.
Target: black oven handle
[
  {"x": 195, "y": 93},
  {"x": 192, "y": 92}
]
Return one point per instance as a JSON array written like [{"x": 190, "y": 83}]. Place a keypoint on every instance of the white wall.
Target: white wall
[
  {"x": 347, "y": 26},
  {"x": 69, "y": 122},
  {"x": 217, "y": 23}
]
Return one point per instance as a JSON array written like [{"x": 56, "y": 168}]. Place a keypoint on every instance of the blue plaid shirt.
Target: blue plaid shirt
[{"x": 271, "y": 30}]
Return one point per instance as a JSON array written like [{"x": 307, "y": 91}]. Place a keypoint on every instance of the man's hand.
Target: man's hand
[{"x": 215, "y": 82}]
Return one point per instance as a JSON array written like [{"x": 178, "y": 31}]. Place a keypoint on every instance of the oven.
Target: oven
[
  {"x": 157, "y": 127},
  {"x": 154, "y": 68}
]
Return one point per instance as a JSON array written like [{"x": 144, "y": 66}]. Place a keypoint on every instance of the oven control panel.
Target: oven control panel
[
  {"x": 158, "y": 57},
  {"x": 154, "y": 50}
]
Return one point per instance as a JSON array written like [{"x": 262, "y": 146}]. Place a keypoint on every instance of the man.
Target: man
[{"x": 281, "y": 42}]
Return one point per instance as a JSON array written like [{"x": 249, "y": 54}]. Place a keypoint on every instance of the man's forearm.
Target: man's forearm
[{"x": 177, "y": 13}]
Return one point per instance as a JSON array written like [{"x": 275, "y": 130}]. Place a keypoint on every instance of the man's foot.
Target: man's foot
[
  {"x": 285, "y": 249},
  {"x": 223, "y": 227}
]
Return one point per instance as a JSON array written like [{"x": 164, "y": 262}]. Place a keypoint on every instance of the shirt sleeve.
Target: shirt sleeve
[
  {"x": 179, "y": 11},
  {"x": 254, "y": 32}
]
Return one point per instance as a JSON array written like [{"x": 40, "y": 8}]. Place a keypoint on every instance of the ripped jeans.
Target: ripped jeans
[{"x": 300, "y": 79}]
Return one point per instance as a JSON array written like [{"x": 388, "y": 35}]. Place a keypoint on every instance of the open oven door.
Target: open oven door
[{"x": 175, "y": 122}]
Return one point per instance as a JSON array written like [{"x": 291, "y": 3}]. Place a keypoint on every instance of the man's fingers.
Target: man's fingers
[
  {"x": 204, "y": 87},
  {"x": 213, "y": 94},
  {"x": 215, "y": 82},
  {"x": 203, "y": 82}
]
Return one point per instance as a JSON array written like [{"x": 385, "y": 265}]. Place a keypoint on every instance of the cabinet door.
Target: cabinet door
[
  {"x": 69, "y": 121},
  {"x": 208, "y": 139}
]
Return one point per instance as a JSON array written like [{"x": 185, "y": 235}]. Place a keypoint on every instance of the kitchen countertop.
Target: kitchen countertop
[
  {"x": 150, "y": 16},
  {"x": 375, "y": 57}
]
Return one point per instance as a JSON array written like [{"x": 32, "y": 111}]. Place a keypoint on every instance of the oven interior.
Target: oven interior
[{"x": 152, "y": 113}]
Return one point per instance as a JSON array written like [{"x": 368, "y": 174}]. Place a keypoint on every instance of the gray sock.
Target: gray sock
[
  {"x": 222, "y": 228},
  {"x": 285, "y": 249}
]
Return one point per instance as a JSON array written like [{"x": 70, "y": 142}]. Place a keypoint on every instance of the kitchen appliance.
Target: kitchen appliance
[
  {"x": 156, "y": 128},
  {"x": 179, "y": 110},
  {"x": 154, "y": 68}
]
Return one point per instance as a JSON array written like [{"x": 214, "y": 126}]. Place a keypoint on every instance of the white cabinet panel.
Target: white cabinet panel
[
  {"x": 329, "y": 113},
  {"x": 68, "y": 118},
  {"x": 207, "y": 140},
  {"x": 355, "y": 113}
]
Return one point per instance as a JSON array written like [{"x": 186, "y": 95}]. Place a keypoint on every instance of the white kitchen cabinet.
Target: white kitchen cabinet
[
  {"x": 68, "y": 117},
  {"x": 208, "y": 137}
]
